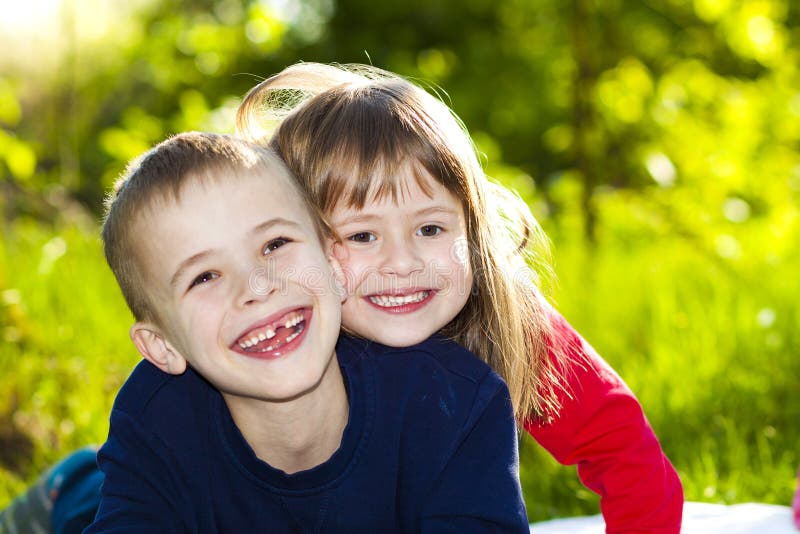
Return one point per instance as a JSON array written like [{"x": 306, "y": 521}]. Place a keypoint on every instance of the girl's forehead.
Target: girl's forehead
[
  {"x": 407, "y": 196},
  {"x": 388, "y": 184}
]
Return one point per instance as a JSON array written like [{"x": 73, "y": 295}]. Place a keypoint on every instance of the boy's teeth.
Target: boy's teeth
[
  {"x": 294, "y": 335},
  {"x": 250, "y": 343},
  {"x": 389, "y": 301},
  {"x": 268, "y": 332}
]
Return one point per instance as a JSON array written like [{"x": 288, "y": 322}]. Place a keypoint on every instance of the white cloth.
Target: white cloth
[{"x": 698, "y": 518}]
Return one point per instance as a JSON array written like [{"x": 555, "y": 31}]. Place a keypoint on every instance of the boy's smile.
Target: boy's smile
[
  {"x": 407, "y": 271},
  {"x": 244, "y": 290},
  {"x": 272, "y": 338}
]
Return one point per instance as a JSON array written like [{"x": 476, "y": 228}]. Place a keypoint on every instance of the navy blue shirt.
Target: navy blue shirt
[{"x": 430, "y": 446}]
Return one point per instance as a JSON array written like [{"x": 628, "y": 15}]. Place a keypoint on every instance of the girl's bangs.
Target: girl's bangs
[{"x": 359, "y": 174}]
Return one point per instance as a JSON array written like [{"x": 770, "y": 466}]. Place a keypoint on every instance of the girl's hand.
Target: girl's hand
[{"x": 796, "y": 504}]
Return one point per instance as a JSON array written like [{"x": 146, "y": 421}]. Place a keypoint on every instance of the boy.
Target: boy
[{"x": 247, "y": 413}]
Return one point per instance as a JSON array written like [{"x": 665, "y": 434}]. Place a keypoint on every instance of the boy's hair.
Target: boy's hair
[
  {"x": 345, "y": 130},
  {"x": 160, "y": 174}
]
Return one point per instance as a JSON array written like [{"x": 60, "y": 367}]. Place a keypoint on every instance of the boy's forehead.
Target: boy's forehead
[
  {"x": 267, "y": 183},
  {"x": 228, "y": 200},
  {"x": 266, "y": 179}
]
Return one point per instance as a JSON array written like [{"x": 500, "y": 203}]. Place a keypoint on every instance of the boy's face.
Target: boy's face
[
  {"x": 242, "y": 286},
  {"x": 406, "y": 263}
]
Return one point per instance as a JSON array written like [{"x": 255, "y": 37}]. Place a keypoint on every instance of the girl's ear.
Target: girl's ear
[
  {"x": 153, "y": 347},
  {"x": 336, "y": 249},
  {"x": 338, "y": 277}
]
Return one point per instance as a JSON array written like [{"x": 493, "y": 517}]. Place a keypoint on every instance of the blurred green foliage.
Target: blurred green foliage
[{"x": 658, "y": 142}]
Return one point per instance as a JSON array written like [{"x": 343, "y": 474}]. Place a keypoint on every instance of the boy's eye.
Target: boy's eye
[
  {"x": 203, "y": 278},
  {"x": 275, "y": 244},
  {"x": 362, "y": 237},
  {"x": 429, "y": 230}
]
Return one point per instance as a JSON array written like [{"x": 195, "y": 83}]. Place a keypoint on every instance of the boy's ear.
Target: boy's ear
[{"x": 154, "y": 348}]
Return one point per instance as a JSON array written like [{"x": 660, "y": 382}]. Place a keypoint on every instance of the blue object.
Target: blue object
[
  {"x": 63, "y": 501},
  {"x": 430, "y": 446}
]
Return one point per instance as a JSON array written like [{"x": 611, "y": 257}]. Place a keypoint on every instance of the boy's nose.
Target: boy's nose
[{"x": 256, "y": 284}]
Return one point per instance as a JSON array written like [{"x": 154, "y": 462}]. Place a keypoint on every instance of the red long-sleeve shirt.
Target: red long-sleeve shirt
[{"x": 602, "y": 429}]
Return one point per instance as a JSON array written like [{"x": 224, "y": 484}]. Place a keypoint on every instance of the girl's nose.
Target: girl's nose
[{"x": 402, "y": 257}]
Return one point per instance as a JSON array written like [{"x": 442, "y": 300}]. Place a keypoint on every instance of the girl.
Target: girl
[
  {"x": 427, "y": 248},
  {"x": 796, "y": 503}
]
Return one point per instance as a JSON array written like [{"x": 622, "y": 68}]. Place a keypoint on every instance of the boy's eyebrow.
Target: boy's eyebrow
[
  {"x": 186, "y": 264},
  {"x": 196, "y": 258},
  {"x": 277, "y": 221}
]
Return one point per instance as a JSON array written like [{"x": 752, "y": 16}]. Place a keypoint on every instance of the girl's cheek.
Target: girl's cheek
[
  {"x": 354, "y": 265},
  {"x": 459, "y": 252}
]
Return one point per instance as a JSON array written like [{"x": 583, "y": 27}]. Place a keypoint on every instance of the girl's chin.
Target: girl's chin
[{"x": 401, "y": 339}]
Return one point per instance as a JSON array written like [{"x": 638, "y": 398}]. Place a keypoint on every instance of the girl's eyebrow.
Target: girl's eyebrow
[
  {"x": 435, "y": 210},
  {"x": 361, "y": 217},
  {"x": 358, "y": 217}
]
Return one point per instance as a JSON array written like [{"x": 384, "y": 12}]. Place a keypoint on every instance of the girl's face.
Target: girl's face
[{"x": 406, "y": 262}]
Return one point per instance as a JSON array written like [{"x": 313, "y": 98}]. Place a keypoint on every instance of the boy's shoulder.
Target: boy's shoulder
[{"x": 151, "y": 397}]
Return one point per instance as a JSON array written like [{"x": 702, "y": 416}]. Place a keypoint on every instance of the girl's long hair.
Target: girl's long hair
[{"x": 345, "y": 131}]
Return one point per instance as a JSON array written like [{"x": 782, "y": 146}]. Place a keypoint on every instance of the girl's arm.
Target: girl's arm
[
  {"x": 478, "y": 491},
  {"x": 138, "y": 493},
  {"x": 602, "y": 429}
]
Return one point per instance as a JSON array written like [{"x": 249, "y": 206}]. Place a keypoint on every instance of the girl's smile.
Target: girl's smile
[
  {"x": 405, "y": 272},
  {"x": 406, "y": 301}
]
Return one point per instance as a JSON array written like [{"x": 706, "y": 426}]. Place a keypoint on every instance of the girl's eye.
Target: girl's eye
[
  {"x": 275, "y": 244},
  {"x": 362, "y": 237},
  {"x": 203, "y": 278},
  {"x": 429, "y": 230}
]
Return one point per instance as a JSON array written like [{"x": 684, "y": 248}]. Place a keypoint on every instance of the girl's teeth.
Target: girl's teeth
[{"x": 387, "y": 301}]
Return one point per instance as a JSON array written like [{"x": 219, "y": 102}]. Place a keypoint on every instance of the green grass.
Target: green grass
[
  {"x": 64, "y": 343},
  {"x": 710, "y": 350}
]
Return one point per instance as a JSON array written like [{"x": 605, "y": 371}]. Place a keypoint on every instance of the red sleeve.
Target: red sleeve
[{"x": 601, "y": 427}]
